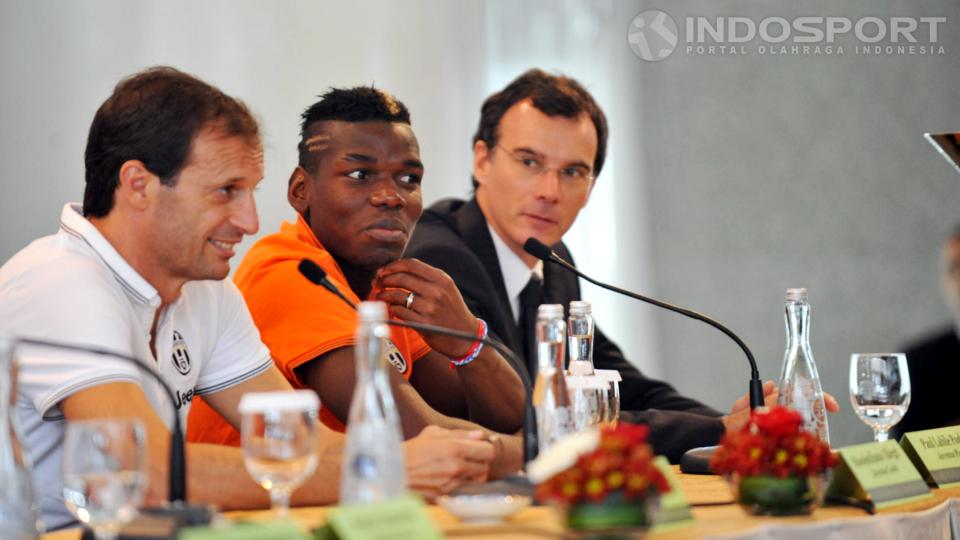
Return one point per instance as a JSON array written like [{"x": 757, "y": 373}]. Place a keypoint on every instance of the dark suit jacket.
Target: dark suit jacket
[
  {"x": 934, "y": 366},
  {"x": 453, "y": 235}
]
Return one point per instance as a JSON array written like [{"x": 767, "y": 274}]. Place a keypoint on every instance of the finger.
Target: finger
[
  {"x": 769, "y": 387},
  {"x": 831, "y": 403},
  {"x": 396, "y": 297},
  {"x": 410, "y": 266}
]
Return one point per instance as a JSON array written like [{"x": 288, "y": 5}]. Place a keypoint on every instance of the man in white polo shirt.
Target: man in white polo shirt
[{"x": 139, "y": 268}]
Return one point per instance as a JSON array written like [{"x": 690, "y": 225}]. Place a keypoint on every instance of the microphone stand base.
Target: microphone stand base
[{"x": 697, "y": 460}]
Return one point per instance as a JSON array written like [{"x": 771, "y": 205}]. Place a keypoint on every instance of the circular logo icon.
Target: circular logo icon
[{"x": 652, "y": 35}]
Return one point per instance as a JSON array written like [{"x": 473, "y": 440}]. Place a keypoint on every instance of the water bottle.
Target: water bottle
[
  {"x": 550, "y": 397},
  {"x": 373, "y": 465},
  {"x": 580, "y": 326},
  {"x": 799, "y": 382},
  {"x": 585, "y": 388},
  {"x": 18, "y": 511}
]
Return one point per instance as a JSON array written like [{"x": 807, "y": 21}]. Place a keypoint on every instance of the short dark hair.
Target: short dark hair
[
  {"x": 553, "y": 95},
  {"x": 153, "y": 116},
  {"x": 357, "y": 104}
]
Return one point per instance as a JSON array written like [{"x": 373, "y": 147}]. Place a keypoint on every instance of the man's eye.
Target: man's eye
[
  {"x": 573, "y": 173},
  {"x": 226, "y": 190},
  {"x": 530, "y": 163},
  {"x": 412, "y": 179},
  {"x": 359, "y": 174}
]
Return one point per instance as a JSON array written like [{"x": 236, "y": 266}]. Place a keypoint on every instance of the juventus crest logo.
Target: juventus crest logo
[
  {"x": 181, "y": 358},
  {"x": 394, "y": 356}
]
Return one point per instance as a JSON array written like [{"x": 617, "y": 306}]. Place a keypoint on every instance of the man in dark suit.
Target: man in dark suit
[
  {"x": 539, "y": 147},
  {"x": 934, "y": 363}
]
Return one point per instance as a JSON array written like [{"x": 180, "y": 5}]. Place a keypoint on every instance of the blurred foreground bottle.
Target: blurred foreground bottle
[
  {"x": 585, "y": 387},
  {"x": 580, "y": 326},
  {"x": 18, "y": 513},
  {"x": 373, "y": 466},
  {"x": 799, "y": 382},
  {"x": 550, "y": 397}
]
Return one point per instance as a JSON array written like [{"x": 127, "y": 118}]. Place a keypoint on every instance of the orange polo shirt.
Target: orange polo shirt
[{"x": 298, "y": 321}]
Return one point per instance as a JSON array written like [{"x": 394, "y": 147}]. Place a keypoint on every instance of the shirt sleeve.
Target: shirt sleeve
[
  {"x": 238, "y": 354},
  {"x": 82, "y": 309}
]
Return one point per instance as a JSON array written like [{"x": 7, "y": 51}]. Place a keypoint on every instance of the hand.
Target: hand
[
  {"x": 740, "y": 412},
  {"x": 436, "y": 300},
  {"x": 438, "y": 460}
]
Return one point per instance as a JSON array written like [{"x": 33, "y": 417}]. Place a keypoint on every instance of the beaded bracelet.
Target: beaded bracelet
[{"x": 475, "y": 349}]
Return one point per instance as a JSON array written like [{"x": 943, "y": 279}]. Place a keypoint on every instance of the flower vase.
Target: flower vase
[
  {"x": 772, "y": 496},
  {"x": 610, "y": 516}
]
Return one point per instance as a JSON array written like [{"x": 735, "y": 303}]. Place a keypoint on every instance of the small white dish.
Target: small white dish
[{"x": 483, "y": 509}]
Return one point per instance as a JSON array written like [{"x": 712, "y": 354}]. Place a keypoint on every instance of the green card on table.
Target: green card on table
[
  {"x": 877, "y": 472},
  {"x": 402, "y": 517},
  {"x": 936, "y": 453}
]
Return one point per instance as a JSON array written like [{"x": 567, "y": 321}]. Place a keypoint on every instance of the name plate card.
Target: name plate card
[
  {"x": 674, "y": 511},
  {"x": 877, "y": 472},
  {"x": 402, "y": 517},
  {"x": 936, "y": 454}
]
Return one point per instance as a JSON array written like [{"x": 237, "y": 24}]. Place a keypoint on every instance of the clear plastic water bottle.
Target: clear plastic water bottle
[
  {"x": 799, "y": 382},
  {"x": 18, "y": 511},
  {"x": 550, "y": 397},
  {"x": 580, "y": 327},
  {"x": 373, "y": 465}
]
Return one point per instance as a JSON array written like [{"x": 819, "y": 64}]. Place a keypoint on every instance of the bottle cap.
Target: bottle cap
[
  {"x": 550, "y": 311},
  {"x": 796, "y": 295},
  {"x": 372, "y": 312},
  {"x": 580, "y": 307}
]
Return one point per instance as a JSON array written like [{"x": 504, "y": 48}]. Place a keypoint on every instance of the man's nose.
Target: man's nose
[
  {"x": 547, "y": 185},
  {"x": 245, "y": 217}
]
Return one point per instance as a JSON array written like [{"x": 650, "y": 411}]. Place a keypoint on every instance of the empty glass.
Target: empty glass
[
  {"x": 104, "y": 472},
  {"x": 879, "y": 390},
  {"x": 609, "y": 397},
  {"x": 279, "y": 431}
]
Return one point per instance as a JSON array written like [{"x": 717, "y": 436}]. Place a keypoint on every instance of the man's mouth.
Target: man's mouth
[
  {"x": 225, "y": 247},
  {"x": 388, "y": 231},
  {"x": 539, "y": 220}
]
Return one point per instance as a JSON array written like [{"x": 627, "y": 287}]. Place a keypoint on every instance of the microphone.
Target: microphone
[
  {"x": 318, "y": 276},
  {"x": 539, "y": 250},
  {"x": 156, "y": 522},
  {"x": 178, "y": 462}
]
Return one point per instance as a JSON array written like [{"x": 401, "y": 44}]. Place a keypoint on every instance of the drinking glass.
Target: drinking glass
[
  {"x": 104, "y": 472},
  {"x": 879, "y": 390},
  {"x": 280, "y": 432}
]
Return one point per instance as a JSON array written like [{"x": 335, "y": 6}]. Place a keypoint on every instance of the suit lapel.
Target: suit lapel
[{"x": 476, "y": 234}]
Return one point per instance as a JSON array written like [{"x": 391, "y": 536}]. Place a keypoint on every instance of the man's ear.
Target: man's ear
[
  {"x": 481, "y": 161},
  {"x": 135, "y": 184},
  {"x": 297, "y": 190}
]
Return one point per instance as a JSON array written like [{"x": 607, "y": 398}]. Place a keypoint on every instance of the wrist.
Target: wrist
[{"x": 475, "y": 349}]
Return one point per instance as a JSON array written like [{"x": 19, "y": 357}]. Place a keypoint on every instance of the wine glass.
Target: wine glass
[
  {"x": 104, "y": 472},
  {"x": 879, "y": 390},
  {"x": 280, "y": 432}
]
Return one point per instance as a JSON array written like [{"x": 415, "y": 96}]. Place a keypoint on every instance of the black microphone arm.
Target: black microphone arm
[
  {"x": 317, "y": 276},
  {"x": 539, "y": 250},
  {"x": 178, "y": 462}
]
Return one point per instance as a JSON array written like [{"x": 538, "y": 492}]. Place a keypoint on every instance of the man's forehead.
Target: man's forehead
[{"x": 343, "y": 136}]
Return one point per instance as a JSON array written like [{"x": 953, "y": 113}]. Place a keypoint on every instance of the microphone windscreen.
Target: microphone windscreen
[
  {"x": 537, "y": 248},
  {"x": 311, "y": 271}
]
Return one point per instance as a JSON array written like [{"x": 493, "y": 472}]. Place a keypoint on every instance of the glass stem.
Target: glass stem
[
  {"x": 881, "y": 435},
  {"x": 280, "y": 502}
]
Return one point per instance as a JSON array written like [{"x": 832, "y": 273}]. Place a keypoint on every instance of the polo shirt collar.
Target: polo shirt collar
[{"x": 73, "y": 222}]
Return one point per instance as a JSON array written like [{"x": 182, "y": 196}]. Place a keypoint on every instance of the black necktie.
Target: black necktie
[{"x": 530, "y": 299}]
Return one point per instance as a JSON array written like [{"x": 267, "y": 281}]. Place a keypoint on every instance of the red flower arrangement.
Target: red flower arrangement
[
  {"x": 773, "y": 444},
  {"x": 621, "y": 461}
]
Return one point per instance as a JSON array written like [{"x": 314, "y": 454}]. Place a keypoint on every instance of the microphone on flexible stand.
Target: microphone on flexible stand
[
  {"x": 182, "y": 513},
  {"x": 318, "y": 276},
  {"x": 539, "y": 250},
  {"x": 695, "y": 460}
]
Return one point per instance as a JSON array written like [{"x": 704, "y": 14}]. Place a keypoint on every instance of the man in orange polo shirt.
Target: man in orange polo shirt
[{"x": 357, "y": 195}]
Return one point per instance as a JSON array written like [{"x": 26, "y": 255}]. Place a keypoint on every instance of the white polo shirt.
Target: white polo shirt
[{"x": 74, "y": 287}]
